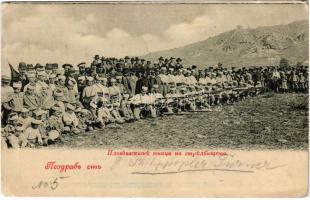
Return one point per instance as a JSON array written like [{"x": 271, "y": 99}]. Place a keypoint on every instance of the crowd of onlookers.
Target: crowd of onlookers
[{"x": 41, "y": 103}]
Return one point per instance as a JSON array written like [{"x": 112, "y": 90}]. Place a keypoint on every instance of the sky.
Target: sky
[{"x": 74, "y": 33}]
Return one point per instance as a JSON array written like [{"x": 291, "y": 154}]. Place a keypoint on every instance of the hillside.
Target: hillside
[{"x": 245, "y": 47}]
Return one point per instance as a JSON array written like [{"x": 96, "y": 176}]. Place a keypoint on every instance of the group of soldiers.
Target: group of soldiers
[{"x": 45, "y": 102}]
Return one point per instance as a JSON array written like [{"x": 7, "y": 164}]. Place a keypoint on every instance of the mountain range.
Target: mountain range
[{"x": 246, "y": 47}]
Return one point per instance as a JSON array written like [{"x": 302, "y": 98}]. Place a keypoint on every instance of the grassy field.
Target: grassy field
[{"x": 269, "y": 121}]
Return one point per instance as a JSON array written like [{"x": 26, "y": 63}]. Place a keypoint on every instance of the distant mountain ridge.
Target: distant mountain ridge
[{"x": 246, "y": 47}]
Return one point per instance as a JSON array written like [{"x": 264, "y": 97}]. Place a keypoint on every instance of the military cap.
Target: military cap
[
  {"x": 81, "y": 65},
  {"x": 112, "y": 80},
  {"x": 178, "y": 59},
  {"x": 56, "y": 108},
  {"x": 13, "y": 117},
  {"x": 96, "y": 57},
  {"x": 17, "y": 85},
  {"x": 35, "y": 121},
  {"x": 19, "y": 128},
  {"x": 55, "y": 66},
  {"x": 38, "y": 65},
  {"x": 126, "y": 57},
  {"x": 172, "y": 58},
  {"x": 58, "y": 93},
  {"x": 166, "y": 60},
  {"x": 85, "y": 111},
  {"x": 142, "y": 59},
  {"x": 52, "y": 76},
  {"x": 67, "y": 66},
  {"x": 48, "y": 66},
  {"x": 5, "y": 78},
  {"x": 24, "y": 110},
  {"x": 89, "y": 78},
  {"x": 160, "y": 58},
  {"x": 40, "y": 112},
  {"x": 81, "y": 78},
  {"x": 70, "y": 106},
  {"x": 30, "y": 66},
  {"x": 22, "y": 65},
  {"x": 97, "y": 77}
]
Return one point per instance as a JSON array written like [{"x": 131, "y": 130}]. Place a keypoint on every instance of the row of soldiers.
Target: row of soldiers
[{"x": 47, "y": 102}]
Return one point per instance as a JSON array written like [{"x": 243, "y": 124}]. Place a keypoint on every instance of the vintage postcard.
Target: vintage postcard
[{"x": 161, "y": 99}]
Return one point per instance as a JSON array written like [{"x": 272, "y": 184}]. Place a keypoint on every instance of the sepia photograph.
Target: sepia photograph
[{"x": 147, "y": 79}]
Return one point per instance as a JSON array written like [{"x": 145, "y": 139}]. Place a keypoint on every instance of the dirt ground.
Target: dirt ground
[{"x": 269, "y": 121}]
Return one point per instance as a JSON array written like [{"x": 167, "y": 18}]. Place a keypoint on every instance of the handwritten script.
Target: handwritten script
[
  {"x": 157, "y": 166},
  {"x": 49, "y": 184}
]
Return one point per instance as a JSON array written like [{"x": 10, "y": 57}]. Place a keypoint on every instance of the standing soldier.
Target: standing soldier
[
  {"x": 6, "y": 96},
  {"x": 160, "y": 62},
  {"x": 82, "y": 71},
  {"x": 133, "y": 83},
  {"x": 127, "y": 64},
  {"x": 22, "y": 69},
  {"x": 17, "y": 100},
  {"x": 164, "y": 80},
  {"x": 178, "y": 65}
]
